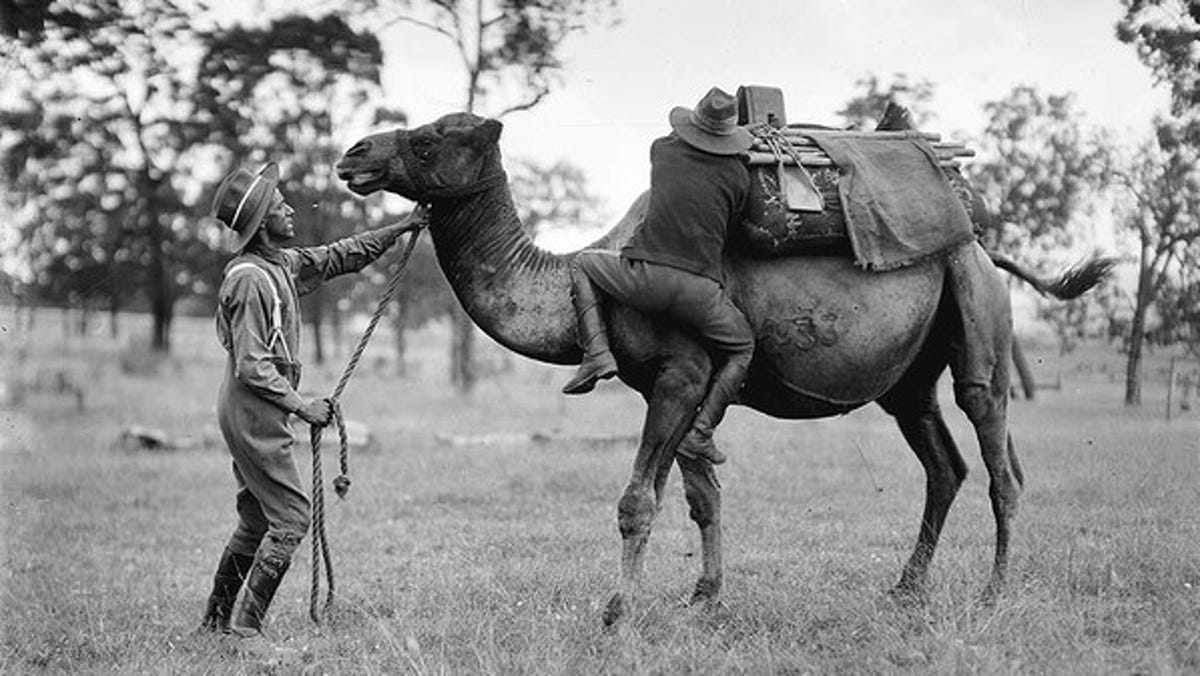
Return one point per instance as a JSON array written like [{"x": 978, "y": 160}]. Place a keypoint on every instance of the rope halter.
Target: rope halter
[{"x": 427, "y": 191}]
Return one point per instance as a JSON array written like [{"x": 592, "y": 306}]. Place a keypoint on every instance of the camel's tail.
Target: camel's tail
[{"x": 1073, "y": 283}]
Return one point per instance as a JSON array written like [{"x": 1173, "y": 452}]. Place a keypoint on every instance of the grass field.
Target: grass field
[{"x": 497, "y": 557}]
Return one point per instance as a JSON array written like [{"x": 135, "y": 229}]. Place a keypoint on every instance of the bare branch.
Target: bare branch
[
  {"x": 524, "y": 105},
  {"x": 422, "y": 24}
]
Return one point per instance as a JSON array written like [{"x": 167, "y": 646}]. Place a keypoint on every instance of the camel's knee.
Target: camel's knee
[
  {"x": 703, "y": 510},
  {"x": 635, "y": 512},
  {"x": 703, "y": 495},
  {"x": 980, "y": 402}
]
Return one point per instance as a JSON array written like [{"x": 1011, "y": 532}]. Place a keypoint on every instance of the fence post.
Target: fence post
[{"x": 1170, "y": 388}]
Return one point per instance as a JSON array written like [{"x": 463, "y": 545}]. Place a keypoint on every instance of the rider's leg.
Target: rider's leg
[
  {"x": 706, "y": 307},
  {"x": 598, "y": 362}
]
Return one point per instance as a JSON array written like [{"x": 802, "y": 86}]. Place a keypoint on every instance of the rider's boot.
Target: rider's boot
[
  {"x": 728, "y": 381},
  {"x": 598, "y": 362}
]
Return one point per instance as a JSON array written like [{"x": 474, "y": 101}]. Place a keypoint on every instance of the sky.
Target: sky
[{"x": 620, "y": 83}]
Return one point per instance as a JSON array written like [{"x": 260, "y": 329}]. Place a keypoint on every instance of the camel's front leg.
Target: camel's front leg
[
  {"x": 704, "y": 498},
  {"x": 671, "y": 408},
  {"x": 635, "y": 516}
]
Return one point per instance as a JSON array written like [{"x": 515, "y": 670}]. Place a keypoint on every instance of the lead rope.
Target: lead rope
[{"x": 341, "y": 484}]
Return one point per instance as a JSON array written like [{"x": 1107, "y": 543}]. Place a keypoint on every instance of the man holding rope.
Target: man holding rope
[{"x": 258, "y": 324}]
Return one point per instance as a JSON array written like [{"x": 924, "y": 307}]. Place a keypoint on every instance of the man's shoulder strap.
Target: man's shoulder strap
[{"x": 276, "y": 302}]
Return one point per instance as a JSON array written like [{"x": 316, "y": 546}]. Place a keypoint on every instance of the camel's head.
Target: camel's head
[{"x": 443, "y": 159}]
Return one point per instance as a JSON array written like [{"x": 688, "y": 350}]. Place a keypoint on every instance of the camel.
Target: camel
[{"x": 831, "y": 337}]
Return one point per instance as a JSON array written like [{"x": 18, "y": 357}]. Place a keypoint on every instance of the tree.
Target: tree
[
  {"x": 290, "y": 85},
  {"x": 28, "y": 18},
  {"x": 1163, "y": 183},
  {"x": 864, "y": 110},
  {"x": 549, "y": 196},
  {"x": 1037, "y": 170},
  {"x": 1179, "y": 309},
  {"x": 101, "y": 130},
  {"x": 1165, "y": 34},
  {"x": 509, "y": 50}
]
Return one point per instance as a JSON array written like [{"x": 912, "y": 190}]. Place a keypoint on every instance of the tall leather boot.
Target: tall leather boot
[
  {"x": 598, "y": 363},
  {"x": 725, "y": 385},
  {"x": 227, "y": 582},
  {"x": 247, "y": 621}
]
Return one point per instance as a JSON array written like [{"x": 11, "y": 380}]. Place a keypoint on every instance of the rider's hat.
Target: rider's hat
[{"x": 712, "y": 126}]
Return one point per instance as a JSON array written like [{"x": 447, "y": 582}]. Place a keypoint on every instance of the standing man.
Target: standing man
[
  {"x": 673, "y": 263},
  {"x": 258, "y": 324}
]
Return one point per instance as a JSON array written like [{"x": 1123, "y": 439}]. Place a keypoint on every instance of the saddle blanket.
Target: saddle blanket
[{"x": 899, "y": 207}]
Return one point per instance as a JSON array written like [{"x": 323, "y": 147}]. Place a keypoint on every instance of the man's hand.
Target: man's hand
[
  {"x": 316, "y": 412},
  {"x": 415, "y": 221}
]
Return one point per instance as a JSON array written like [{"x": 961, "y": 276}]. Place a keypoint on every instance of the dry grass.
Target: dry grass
[{"x": 497, "y": 558}]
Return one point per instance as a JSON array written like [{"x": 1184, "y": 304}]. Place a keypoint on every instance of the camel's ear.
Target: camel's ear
[{"x": 488, "y": 133}]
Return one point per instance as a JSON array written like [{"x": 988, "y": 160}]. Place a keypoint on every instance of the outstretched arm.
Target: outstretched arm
[{"x": 311, "y": 266}]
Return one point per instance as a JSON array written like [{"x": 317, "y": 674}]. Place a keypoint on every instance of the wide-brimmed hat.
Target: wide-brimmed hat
[
  {"x": 242, "y": 199},
  {"x": 712, "y": 126}
]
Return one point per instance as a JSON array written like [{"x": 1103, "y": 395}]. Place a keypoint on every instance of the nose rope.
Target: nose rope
[{"x": 341, "y": 483}]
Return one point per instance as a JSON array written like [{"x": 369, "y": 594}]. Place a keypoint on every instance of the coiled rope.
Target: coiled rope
[
  {"x": 778, "y": 144},
  {"x": 341, "y": 483}
]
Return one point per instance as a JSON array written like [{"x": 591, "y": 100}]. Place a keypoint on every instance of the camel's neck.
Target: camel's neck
[{"x": 518, "y": 293}]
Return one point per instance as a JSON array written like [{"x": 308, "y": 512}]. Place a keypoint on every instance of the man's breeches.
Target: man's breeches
[
  {"x": 273, "y": 508},
  {"x": 694, "y": 300}
]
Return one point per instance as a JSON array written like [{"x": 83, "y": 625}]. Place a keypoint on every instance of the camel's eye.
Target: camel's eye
[{"x": 423, "y": 148}]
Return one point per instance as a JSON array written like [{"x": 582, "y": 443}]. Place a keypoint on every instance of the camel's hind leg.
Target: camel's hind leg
[
  {"x": 671, "y": 406},
  {"x": 981, "y": 380},
  {"x": 914, "y": 405}
]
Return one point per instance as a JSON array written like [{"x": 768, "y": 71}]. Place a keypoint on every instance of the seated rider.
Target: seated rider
[{"x": 673, "y": 263}]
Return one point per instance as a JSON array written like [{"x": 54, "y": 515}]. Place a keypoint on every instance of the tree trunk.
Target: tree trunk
[
  {"x": 161, "y": 337},
  {"x": 462, "y": 351},
  {"x": 1133, "y": 367},
  {"x": 1137, "y": 331},
  {"x": 84, "y": 323},
  {"x": 115, "y": 287},
  {"x": 1024, "y": 373},
  {"x": 114, "y": 311},
  {"x": 159, "y": 280}
]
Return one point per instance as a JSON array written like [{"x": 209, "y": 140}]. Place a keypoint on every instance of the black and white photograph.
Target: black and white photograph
[{"x": 599, "y": 337}]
